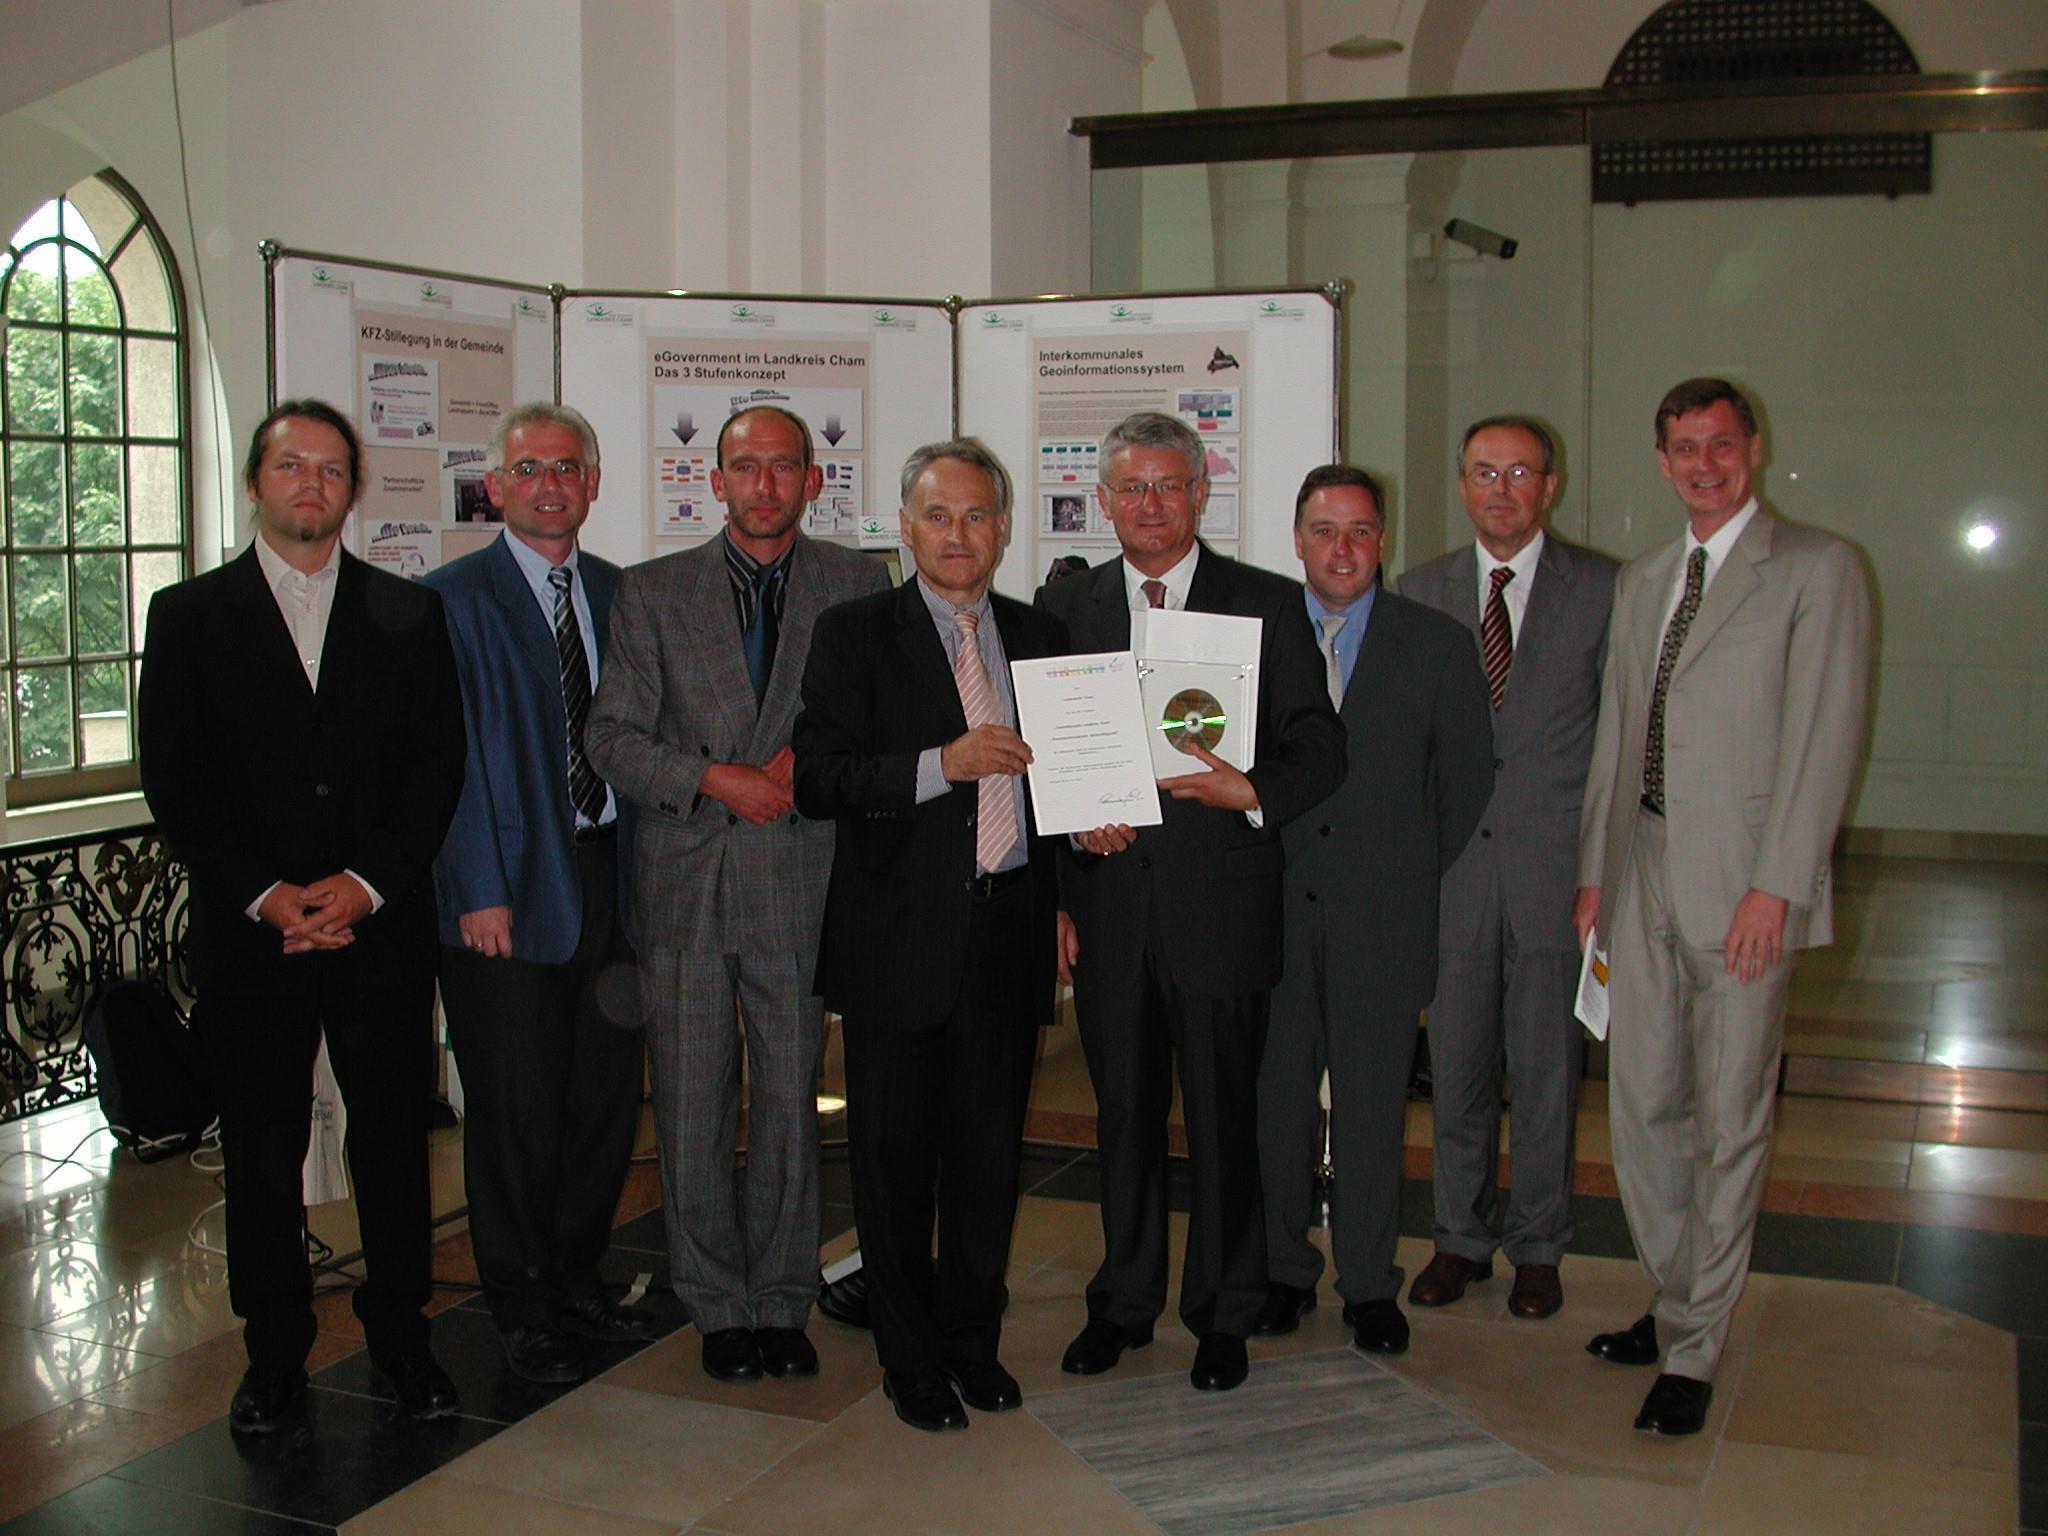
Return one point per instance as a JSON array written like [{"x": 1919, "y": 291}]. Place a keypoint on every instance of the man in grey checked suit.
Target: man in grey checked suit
[
  {"x": 1507, "y": 965},
  {"x": 1731, "y": 721},
  {"x": 692, "y": 724}
]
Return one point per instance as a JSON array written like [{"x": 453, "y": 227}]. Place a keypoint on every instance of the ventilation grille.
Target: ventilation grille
[{"x": 1693, "y": 42}]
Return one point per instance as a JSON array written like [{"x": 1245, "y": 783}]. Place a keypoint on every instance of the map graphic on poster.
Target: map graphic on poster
[
  {"x": 1084, "y": 383},
  {"x": 696, "y": 381}
]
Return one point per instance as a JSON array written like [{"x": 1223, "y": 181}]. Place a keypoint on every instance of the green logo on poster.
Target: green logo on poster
[
  {"x": 740, "y": 311},
  {"x": 991, "y": 318},
  {"x": 598, "y": 311},
  {"x": 429, "y": 291},
  {"x": 1119, "y": 311},
  {"x": 319, "y": 274},
  {"x": 884, "y": 316},
  {"x": 1270, "y": 307}
]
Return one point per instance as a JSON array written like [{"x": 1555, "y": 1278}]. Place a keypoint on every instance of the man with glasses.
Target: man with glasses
[
  {"x": 1731, "y": 722},
  {"x": 1171, "y": 934},
  {"x": 692, "y": 725},
  {"x": 536, "y": 961},
  {"x": 1507, "y": 964},
  {"x": 1361, "y": 909}
]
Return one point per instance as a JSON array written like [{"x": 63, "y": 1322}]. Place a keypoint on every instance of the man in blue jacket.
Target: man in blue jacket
[{"x": 536, "y": 964}]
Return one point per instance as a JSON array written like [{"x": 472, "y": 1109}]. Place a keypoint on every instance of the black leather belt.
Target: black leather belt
[
  {"x": 984, "y": 886},
  {"x": 608, "y": 833}
]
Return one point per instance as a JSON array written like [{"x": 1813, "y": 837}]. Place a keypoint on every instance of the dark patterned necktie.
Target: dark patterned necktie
[
  {"x": 1667, "y": 662},
  {"x": 1497, "y": 637},
  {"x": 758, "y": 642},
  {"x": 586, "y": 789},
  {"x": 1155, "y": 593}
]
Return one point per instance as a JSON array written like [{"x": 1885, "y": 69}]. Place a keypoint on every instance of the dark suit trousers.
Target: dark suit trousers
[
  {"x": 1134, "y": 1022},
  {"x": 1368, "y": 1048},
  {"x": 938, "y": 1110},
  {"x": 379, "y": 1041},
  {"x": 550, "y": 1057}
]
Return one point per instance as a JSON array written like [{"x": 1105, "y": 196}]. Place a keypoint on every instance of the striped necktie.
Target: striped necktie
[
  {"x": 586, "y": 789},
  {"x": 996, "y": 815},
  {"x": 1497, "y": 637}
]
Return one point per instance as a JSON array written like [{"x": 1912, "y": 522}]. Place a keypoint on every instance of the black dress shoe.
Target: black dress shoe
[
  {"x": 1099, "y": 1346},
  {"x": 1677, "y": 1405},
  {"x": 730, "y": 1354},
  {"x": 786, "y": 1353},
  {"x": 1377, "y": 1327},
  {"x": 266, "y": 1398},
  {"x": 419, "y": 1384},
  {"x": 984, "y": 1384},
  {"x": 1632, "y": 1346},
  {"x": 845, "y": 1300},
  {"x": 600, "y": 1317},
  {"x": 545, "y": 1355},
  {"x": 924, "y": 1400},
  {"x": 1219, "y": 1363},
  {"x": 1285, "y": 1307}
]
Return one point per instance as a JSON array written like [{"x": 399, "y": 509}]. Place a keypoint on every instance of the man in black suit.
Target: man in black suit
[
  {"x": 938, "y": 941},
  {"x": 1362, "y": 873},
  {"x": 302, "y": 749},
  {"x": 1171, "y": 933}
]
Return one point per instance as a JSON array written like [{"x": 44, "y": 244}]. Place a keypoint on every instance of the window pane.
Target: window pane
[
  {"x": 153, "y": 388},
  {"x": 33, "y": 293},
  {"x": 42, "y": 712},
  {"x": 35, "y": 389},
  {"x": 151, "y": 572},
  {"x": 88, "y": 296},
  {"x": 144, "y": 293},
  {"x": 42, "y": 615},
  {"x": 96, "y": 215},
  {"x": 6, "y": 630},
  {"x": 95, "y": 385},
  {"x": 102, "y": 604},
  {"x": 104, "y": 723},
  {"x": 96, "y": 515},
  {"x": 35, "y": 494},
  {"x": 153, "y": 496}
]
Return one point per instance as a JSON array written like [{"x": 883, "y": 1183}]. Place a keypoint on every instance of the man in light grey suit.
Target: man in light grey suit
[
  {"x": 1506, "y": 964},
  {"x": 1731, "y": 720},
  {"x": 692, "y": 724}
]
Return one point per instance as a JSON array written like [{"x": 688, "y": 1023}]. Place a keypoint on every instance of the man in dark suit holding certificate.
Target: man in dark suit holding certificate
[
  {"x": 938, "y": 939},
  {"x": 1171, "y": 933}
]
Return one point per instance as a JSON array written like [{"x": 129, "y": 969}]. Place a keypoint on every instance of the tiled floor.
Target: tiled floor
[{"x": 1889, "y": 1370}]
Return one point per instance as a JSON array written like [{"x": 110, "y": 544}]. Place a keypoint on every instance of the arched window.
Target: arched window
[{"x": 94, "y": 478}]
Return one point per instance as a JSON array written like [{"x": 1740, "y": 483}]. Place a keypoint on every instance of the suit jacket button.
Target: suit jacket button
[
  {"x": 1486, "y": 832},
  {"x": 731, "y": 820},
  {"x": 1499, "y": 763},
  {"x": 1144, "y": 863},
  {"x": 1324, "y": 829},
  {"x": 321, "y": 790},
  {"x": 1311, "y": 895},
  {"x": 792, "y": 818},
  {"x": 703, "y": 751}
]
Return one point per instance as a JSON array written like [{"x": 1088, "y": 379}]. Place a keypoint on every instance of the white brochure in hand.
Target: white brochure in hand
[
  {"x": 1091, "y": 765},
  {"x": 1591, "y": 1007}
]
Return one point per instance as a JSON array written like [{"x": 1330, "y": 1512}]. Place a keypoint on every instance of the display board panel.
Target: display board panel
[
  {"x": 423, "y": 363},
  {"x": 658, "y": 374},
  {"x": 1254, "y": 373}
]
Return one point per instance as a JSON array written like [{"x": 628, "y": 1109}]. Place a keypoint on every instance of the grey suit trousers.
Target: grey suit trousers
[
  {"x": 750, "y": 1265},
  {"x": 1692, "y": 1086},
  {"x": 1505, "y": 1002}
]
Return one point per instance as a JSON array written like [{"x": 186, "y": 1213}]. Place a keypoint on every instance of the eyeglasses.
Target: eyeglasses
[
  {"x": 533, "y": 469},
  {"x": 1514, "y": 474},
  {"x": 1165, "y": 490}
]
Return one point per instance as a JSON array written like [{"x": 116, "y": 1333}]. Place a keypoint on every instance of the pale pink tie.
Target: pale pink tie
[{"x": 996, "y": 816}]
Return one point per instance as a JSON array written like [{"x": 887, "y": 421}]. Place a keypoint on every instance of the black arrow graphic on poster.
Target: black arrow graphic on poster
[
  {"x": 686, "y": 427},
  {"x": 833, "y": 431}
]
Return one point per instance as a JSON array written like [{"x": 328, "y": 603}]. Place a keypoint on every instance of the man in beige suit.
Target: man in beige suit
[{"x": 1731, "y": 720}]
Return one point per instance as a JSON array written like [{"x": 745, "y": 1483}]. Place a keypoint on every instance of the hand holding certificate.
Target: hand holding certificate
[{"x": 1091, "y": 762}]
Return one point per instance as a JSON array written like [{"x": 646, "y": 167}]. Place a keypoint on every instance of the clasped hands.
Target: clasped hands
[
  {"x": 319, "y": 916},
  {"x": 759, "y": 795}
]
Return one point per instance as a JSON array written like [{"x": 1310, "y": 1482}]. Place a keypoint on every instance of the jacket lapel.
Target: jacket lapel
[
  {"x": 523, "y": 621},
  {"x": 1732, "y": 585},
  {"x": 1376, "y": 655},
  {"x": 924, "y": 658},
  {"x": 1549, "y": 594},
  {"x": 715, "y": 641}
]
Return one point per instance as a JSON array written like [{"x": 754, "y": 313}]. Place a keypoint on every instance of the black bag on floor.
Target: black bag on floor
[{"x": 155, "y": 1089}]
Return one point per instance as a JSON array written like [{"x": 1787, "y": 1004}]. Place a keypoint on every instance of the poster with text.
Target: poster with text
[
  {"x": 1084, "y": 383},
  {"x": 430, "y": 386}
]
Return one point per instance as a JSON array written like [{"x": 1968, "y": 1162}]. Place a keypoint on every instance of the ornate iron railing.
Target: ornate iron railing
[{"x": 79, "y": 912}]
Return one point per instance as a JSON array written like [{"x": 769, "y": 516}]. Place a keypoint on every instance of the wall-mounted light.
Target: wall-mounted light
[{"x": 1980, "y": 537}]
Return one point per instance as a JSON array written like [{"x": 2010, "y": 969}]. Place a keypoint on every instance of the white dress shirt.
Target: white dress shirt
[
  {"x": 1516, "y": 593},
  {"x": 1177, "y": 580}
]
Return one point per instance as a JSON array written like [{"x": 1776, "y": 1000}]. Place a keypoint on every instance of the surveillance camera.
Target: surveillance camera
[{"x": 1485, "y": 241}]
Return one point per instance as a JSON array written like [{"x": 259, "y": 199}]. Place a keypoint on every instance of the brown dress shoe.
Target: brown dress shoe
[
  {"x": 1444, "y": 1278},
  {"x": 1537, "y": 1293}
]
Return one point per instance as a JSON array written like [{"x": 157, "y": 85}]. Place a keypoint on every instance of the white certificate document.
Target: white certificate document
[{"x": 1091, "y": 760}]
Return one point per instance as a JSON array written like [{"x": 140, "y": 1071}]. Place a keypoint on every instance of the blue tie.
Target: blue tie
[{"x": 759, "y": 641}]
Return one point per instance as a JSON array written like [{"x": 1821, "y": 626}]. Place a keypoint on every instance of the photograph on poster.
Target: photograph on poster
[
  {"x": 682, "y": 492},
  {"x": 1066, "y": 513}
]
